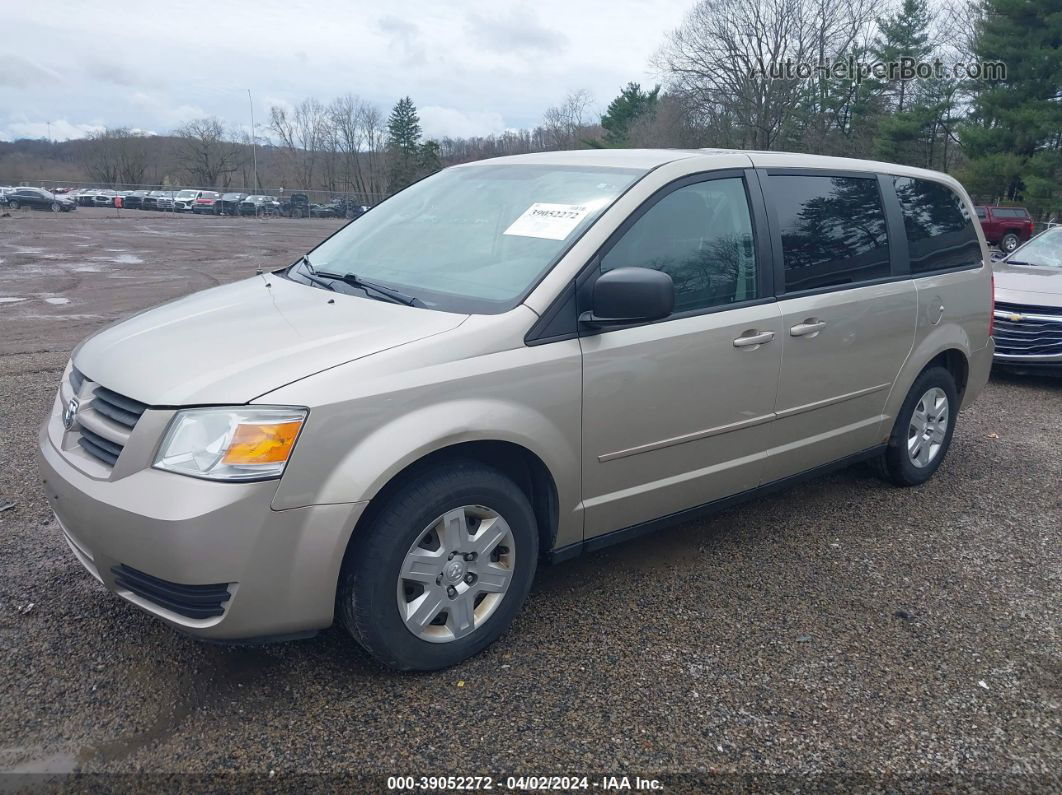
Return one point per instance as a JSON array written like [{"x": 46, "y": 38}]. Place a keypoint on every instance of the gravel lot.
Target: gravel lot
[{"x": 842, "y": 628}]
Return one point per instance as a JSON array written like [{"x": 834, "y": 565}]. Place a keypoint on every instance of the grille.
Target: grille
[
  {"x": 106, "y": 419},
  {"x": 125, "y": 411},
  {"x": 192, "y": 601},
  {"x": 103, "y": 449},
  {"x": 1038, "y": 333},
  {"x": 76, "y": 380}
]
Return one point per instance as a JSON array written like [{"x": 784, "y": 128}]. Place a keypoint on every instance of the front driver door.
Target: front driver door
[{"x": 676, "y": 413}]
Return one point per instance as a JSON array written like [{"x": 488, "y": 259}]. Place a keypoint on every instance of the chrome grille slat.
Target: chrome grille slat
[{"x": 1037, "y": 333}]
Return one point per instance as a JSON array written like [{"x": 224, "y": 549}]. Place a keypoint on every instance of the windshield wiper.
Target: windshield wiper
[
  {"x": 311, "y": 274},
  {"x": 389, "y": 293},
  {"x": 1018, "y": 262}
]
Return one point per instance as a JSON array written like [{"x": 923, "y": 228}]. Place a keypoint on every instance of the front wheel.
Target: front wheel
[
  {"x": 55, "y": 207},
  {"x": 922, "y": 434},
  {"x": 442, "y": 569},
  {"x": 1009, "y": 242},
  {"x": 13, "y": 204}
]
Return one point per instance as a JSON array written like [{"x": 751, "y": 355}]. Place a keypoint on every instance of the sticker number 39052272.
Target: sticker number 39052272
[{"x": 550, "y": 221}]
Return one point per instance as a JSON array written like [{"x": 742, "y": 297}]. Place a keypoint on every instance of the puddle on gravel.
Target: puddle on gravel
[
  {"x": 213, "y": 683},
  {"x": 228, "y": 671}
]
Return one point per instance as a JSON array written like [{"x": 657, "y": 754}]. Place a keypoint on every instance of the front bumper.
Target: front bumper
[{"x": 281, "y": 567}]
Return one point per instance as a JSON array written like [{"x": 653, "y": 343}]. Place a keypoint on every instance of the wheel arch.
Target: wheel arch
[{"x": 521, "y": 465}]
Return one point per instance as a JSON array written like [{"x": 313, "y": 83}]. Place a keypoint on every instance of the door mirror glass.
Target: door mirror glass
[{"x": 630, "y": 295}]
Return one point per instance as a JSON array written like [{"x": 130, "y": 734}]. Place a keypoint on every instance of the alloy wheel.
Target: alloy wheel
[
  {"x": 456, "y": 574},
  {"x": 928, "y": 428}
]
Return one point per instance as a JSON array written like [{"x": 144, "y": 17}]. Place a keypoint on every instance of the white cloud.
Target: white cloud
[
  {"x": 440, "y": 122},
  {"x": 473, "y": 68},
  {"x": 59, "y": 130}
]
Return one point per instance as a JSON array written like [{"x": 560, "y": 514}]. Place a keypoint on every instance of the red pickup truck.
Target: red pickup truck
[{"x": 1006, "y": 227}]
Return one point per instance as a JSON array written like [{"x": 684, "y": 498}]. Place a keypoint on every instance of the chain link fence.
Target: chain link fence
[{"x": 281, "y": 201}]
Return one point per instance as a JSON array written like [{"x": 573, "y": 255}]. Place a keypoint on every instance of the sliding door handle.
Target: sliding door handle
[
  {"x": 809, "y": 326},
  {"x": 751, "y": 338}
]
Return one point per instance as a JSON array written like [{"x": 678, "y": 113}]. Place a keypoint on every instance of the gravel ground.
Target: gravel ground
[{"x": 843, "y": 628}]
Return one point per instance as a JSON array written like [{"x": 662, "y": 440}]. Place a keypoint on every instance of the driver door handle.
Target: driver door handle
[
  {"x": 810, "y": 326},
  {"x": 754, "y": 338}
]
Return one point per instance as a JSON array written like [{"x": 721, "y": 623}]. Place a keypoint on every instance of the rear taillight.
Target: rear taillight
[{"x": 992, "y": 308}]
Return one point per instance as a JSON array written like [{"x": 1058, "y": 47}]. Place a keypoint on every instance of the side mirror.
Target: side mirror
[
  {"x": 630, "y": 295},
  {"x": 997, "y": 256}
]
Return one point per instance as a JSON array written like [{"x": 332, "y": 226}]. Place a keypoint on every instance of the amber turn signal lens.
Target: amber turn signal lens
[{"x": 262, "y": 444}]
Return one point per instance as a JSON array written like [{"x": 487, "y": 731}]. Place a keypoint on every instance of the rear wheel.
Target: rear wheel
[
  {"x": 922, "y": 434},
  {"x": 1009, "y": 242},
  {"x": 442, "y": 569},
  {"x": 13, "y": 204}
]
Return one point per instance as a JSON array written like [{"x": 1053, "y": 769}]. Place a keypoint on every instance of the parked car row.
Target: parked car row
[
  {"x": 199, "y": 202},
  {"x": 35, "y": 199}
]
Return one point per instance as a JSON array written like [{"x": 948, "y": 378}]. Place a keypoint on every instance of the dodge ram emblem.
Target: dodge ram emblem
[{"x": 70, "y": 413}]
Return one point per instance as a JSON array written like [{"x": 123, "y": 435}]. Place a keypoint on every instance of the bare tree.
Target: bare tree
[
  {"x": 721, "y": 59},
  {"x": 206, "y": 154},
  {"x": 302, "y": 133},
  {"x": 116, "y": 156},
  {"x": 359, "y": 132},
  {"x": 565, "y": 124}
]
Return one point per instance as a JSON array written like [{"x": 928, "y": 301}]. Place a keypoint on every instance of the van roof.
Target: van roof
[{"x": 648, "y": 159}]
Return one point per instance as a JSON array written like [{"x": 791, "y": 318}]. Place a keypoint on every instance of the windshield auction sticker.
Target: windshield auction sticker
[{"x": 550, "y": 221}]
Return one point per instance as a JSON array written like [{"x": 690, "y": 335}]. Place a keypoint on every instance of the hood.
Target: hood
[
  {"x": 1035, "y": 285},
  {"x": 233, "y": 343}
]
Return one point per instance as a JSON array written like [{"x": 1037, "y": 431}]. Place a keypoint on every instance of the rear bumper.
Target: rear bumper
[{"x": 280, "y": 567}]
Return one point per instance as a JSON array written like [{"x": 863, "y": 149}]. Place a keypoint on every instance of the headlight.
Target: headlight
[{"x": 230, "y": 444}]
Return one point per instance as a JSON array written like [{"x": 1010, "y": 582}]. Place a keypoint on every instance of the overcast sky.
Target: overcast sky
[{"x": 472, "y": 67}]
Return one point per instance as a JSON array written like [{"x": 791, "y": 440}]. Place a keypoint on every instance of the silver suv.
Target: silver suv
[{"x": 514, "y": 361}]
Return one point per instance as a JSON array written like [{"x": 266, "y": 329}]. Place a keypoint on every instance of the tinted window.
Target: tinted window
[
  {"x": 981, "y": 212},
  {"x": 1009, "y": 212},
  {"x": 833, "y": 230},
  {"x": 940, "y": 231},
  {"x": 701, "y": 235}
]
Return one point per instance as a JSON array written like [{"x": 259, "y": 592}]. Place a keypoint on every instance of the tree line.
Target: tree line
[{"x": 734, "y": 74}]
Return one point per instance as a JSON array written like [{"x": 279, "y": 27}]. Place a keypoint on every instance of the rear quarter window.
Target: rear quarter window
[
  {"x": 940, "y": 230},
  {"x": 832, "y": 229}
]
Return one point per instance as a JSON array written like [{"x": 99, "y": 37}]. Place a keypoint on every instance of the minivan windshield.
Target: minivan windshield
[
  {"x": 474, "y": 238},
  {"x": 1045, "y": 249}
]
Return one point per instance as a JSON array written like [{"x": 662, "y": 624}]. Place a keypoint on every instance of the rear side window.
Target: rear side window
[
  {"x": 701, "y": 235},
  {"x": 1010, "y": 212},
  {"x": 981, "y": 212},
  {"x": 940, "y": 231},
  {"x": 832, "y": 228}
]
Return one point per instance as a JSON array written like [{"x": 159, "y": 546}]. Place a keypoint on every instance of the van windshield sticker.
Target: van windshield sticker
[{"x": 550, "y": 221}]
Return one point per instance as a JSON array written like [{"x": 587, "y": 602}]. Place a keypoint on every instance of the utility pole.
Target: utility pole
[{"x": 254, "y": 146}]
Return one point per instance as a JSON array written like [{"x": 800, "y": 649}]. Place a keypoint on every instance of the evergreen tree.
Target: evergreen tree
[
  {"x": 403, "y": 143},
  {"x": 1017, "y": 119},
  {"x": 621, "y": 114},
  {"x": 904, "y": 36}
]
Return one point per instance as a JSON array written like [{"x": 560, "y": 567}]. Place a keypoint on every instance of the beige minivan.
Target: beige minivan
[{"x": 514, "y": 361}]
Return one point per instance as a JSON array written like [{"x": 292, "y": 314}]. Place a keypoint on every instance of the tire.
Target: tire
[
  {"x": 909, "y": 460},
  {"x": 55, "y": 207},
  {"x": 1009, "y": 242},
  {"x": 407, "y": 530},
  {"x": 12, "y": 204}
]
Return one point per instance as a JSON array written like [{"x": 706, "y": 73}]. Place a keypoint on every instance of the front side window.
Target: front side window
[
  {"x": 940, "y": 232},
  {"x": 832, "y": 228},
  {"x": 474, "y": 238},
  {"x": 701, "y": 235}
]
